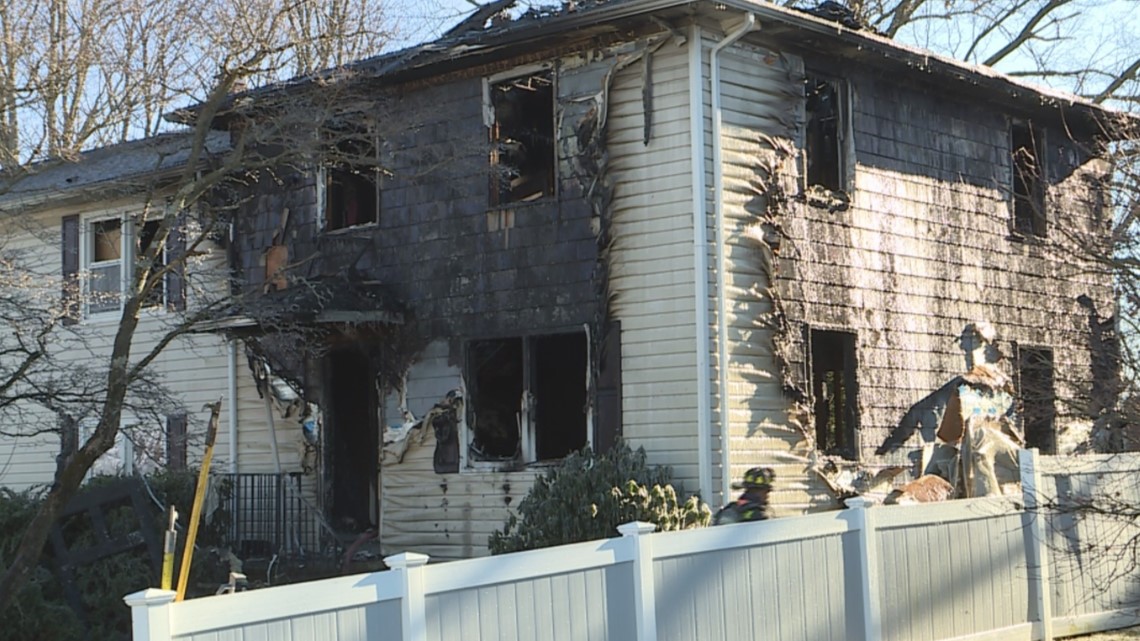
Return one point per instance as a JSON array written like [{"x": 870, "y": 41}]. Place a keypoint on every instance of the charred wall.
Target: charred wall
[
  {"x": 927, "y": 245},
  {"x": 459, "y": 266}
]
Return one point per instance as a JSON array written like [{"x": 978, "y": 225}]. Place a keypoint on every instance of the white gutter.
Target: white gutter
[
  {"x": 700, "y": 264},
  {"x": 231, "y": 380},
  {"x": 718, "y": 199}
]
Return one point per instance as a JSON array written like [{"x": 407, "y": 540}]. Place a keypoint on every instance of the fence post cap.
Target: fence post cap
[
  {"x": 858, "y": 502},
  {"x": 150, "y": 596},
  {"x": 405, "y": 560},
  {"x": 636, "y": 528}
]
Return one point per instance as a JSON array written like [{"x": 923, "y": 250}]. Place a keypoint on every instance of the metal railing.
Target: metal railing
[{"x": 269, "y": 516}]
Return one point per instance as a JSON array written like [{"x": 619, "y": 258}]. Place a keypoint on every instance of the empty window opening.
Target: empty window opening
[
  {"x": 835, "y": 391},
  {"x": 528, "y": 397},
  {"x": 522, "y": 139},
  {"x": 352, "y": 445},
  {"x": 1028, "y": 184},
  {"x": 822, "y": 144},
  {"x": 497, "y": 392},
  {"x": 105, "y": 266},
  {"x": 352, "y": 185},
  {"x": 560, "y": 394},
  {"x": 1038, "y": 407}
]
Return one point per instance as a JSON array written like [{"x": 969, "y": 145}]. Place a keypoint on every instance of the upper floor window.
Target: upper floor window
[
  {"x": 108, "y": 246},
  {"x": 825, "y": 133},
  {"x": 521, "y": 118},
  {"x": 351, "y": 182},
  {"x": 1027, "y": 145},
  {"x": 527, "y": 397}
]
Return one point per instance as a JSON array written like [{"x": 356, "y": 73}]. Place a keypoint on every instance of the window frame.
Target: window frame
[
  {"x": 489, "y": 82},
  {"x": 528, "y": 436},
  {"x": 1037, "y": 228},
  {"x": 323, "y": 179},
  {"x": 126, "y": 261},
  {"x": 844, "y": 131},
  {"x": 1020, "y": 358},
  {"x": 852, "y": 451}
]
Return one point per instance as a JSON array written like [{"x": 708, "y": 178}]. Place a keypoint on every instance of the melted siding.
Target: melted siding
[
  {"x": 446, "y": 516},
  {"x": 759, "y": 99}
]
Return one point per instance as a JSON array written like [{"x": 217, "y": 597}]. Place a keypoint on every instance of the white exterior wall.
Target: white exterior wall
[
  {"x": 651, "y": 262},
  {"x": 193, "y": 367}
]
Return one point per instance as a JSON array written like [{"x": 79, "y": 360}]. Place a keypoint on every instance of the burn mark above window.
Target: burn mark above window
[
  {"x": 1026, "y": 154},
  {"x": 527, "y": 397},
  {"x": 823, "y": 145},
  {"x": 352, "y": 184},
  {"x": 522, "y": 139},
  {"x": 834, "y": 391}
]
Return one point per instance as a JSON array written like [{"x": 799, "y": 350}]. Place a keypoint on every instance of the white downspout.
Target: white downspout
[
  {"x": 231, "y": 380},
  {"x": 718, "y": 200},
  {"x": 700, "y": 264}
]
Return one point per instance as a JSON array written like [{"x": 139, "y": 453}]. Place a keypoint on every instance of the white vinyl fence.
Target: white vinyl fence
[{"x": 969, "y": 569}]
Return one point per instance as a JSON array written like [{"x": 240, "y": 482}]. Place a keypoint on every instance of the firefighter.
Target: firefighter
[{"x": 753, "y": 503}]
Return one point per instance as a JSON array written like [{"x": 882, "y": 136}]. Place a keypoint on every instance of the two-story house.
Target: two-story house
[{"x": 731, "y": 233}]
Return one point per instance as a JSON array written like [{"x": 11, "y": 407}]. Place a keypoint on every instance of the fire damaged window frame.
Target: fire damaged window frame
[
  {"x": 325, "y": 171},
  {"x": 1034, "y": 223},
  {"x": 126, "y": 260},
  {"x": 845, "y": 143},
  {"x": 528, "y": 438},
  {"x": 494, "y": 197},
  {"x": 851, "y": 450}
]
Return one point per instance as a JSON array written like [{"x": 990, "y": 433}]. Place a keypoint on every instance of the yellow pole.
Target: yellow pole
[
  {"x": 168, "y": 546},
  {"x": 199, "y": 497}
]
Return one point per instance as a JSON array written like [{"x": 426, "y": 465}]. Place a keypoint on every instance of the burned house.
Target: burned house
[{"x": 732, "y": 233}]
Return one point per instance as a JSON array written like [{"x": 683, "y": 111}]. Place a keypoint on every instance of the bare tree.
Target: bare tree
[{"x": 107, "y": 71}]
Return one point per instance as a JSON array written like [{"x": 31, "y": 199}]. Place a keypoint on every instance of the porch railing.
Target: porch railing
[{"x": 269, "y": 516}]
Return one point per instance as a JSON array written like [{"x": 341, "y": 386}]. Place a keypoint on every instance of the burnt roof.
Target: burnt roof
[{"x": 538, "y": 29}]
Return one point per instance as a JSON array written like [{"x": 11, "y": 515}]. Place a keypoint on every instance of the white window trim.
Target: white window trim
[
  {"x": 86, "y": 256},
  {"x": 126, "y": 264}
]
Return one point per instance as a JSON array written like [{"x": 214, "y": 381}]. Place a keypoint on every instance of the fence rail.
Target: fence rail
[
  {"x": 268, "y": 516},
  {"x": 991, "y": 568}
]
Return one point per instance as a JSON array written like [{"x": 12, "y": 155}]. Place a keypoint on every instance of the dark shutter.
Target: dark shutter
[
  {"x": 176, "y": 277},
  {"x": 69, "y": 247},
  {"x": 68, "y": 441},
  {"x": 176, "y": 442},
  {"x": 607, "y": 430}
]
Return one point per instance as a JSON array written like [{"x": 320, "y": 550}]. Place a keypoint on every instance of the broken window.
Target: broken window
[
  {"x": 522, "y": 139},
  {"x": 1028, "y": 179},
  {"x": 352, "y": 183},
  {"x": 823, "y": 143},
  {"x": 1035, "y": 383},
  {"x": 528, "y": 397},
  {"x": 834, "y": 390}
]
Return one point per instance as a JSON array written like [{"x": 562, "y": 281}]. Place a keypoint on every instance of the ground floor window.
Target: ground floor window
[
  {"x": 834, "y": 391},
  {"x": 1036, "y": 393},
  {"x": 527, "y": 397}
]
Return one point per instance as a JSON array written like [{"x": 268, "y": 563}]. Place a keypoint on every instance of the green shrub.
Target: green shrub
[
  {"x": 40, "y": 610},
  {"x": 587, "y": 496}
]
